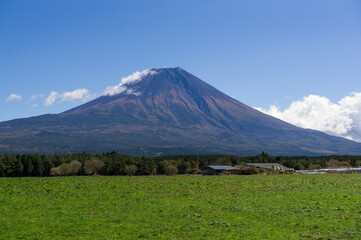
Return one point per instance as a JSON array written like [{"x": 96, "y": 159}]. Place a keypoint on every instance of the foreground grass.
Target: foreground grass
[{"x": 182, "y": 207}]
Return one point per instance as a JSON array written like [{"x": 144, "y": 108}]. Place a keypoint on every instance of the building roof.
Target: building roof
[
  {"x": 220, "y": 167},
  {"x": 270, "y": 166},
  {"x": 234, "y": 168}
]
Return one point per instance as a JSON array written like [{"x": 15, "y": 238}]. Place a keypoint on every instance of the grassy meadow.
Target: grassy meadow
[{"x": 182, "y": 207}]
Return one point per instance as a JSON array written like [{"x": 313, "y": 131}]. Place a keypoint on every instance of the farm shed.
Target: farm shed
[
  {"x": 215, "y": 169},
  {"x": 233, "y": 170},
  {"x": 271, "y": 167}
]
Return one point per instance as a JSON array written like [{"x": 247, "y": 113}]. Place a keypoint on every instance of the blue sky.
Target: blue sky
[{"x": 267, "y": 54}]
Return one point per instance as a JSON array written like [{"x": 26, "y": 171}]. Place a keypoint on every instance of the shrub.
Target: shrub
[
  {"x": 130, "y": 169},
  {"x": 171, "y": 170}
]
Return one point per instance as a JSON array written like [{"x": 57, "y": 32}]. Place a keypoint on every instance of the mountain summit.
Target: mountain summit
[{"x": 166, "y": 111}]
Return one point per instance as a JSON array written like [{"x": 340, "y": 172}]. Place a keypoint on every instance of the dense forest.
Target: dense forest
[{"x": 26, "y": 165}]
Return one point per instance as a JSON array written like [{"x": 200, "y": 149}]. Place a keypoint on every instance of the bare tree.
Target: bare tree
[
  {"x": 66, "y": 169},
  {"x": 92, "y": 166}
]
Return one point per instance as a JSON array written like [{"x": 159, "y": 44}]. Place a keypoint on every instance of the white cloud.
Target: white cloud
[
  {"x": 131, "y": 79},
  {"x": 78, "y": 94},
  {"x": 36, "y": 96},
  {"x": 316, "y": 112},
  {"x": 13, "y": 97},
  {"x": 51, "y": 98},
  {"x": 112, "y": 90}
]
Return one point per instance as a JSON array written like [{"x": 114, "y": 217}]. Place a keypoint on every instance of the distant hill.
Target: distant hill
[{"x": 161, "y": 112}]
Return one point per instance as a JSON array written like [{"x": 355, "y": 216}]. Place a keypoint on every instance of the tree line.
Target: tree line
[
  {"x": 35, "y": 165},
  {"x": 296, "y": 162}
]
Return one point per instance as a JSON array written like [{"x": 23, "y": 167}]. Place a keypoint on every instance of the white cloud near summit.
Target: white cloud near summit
[
  {"x": 13, "y": 97},
  {"x": 78, "y": 94},
  {"x": 319, "y": 113},
  {"x": 121, "y": 87}
]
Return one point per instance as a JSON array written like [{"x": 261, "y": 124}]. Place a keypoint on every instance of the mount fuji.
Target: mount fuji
[{"x": 166, "y": 111}]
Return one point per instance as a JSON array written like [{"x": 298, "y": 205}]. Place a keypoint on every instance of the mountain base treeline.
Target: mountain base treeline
[{"x": 35, "y": 165}]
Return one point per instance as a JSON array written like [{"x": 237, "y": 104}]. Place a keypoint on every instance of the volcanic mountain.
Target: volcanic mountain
[{"x": 166, "y": 111}]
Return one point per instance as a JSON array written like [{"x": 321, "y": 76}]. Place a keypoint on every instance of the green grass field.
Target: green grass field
[{"x": 182, "y": 207}]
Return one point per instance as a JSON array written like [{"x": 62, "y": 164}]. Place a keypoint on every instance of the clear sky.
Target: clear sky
[{"x": 302, "y": 57}]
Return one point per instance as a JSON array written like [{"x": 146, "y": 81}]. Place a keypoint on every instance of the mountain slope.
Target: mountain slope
[{"x": 166, "y": 111}]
